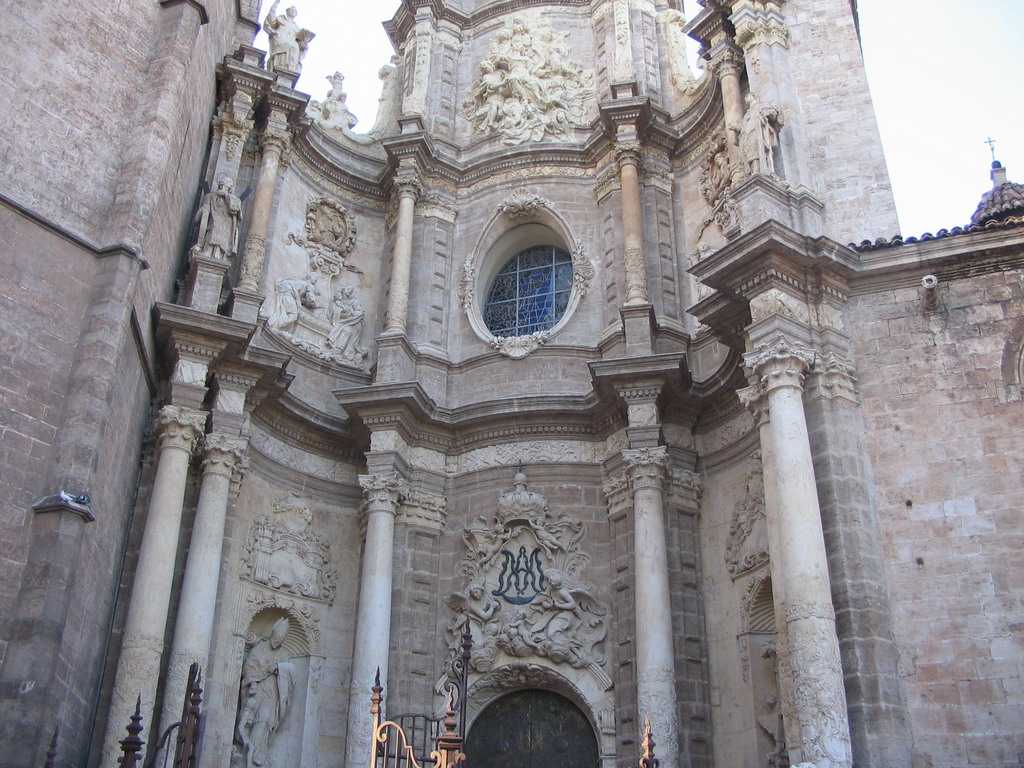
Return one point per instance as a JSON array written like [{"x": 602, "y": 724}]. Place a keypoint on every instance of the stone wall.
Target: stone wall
[{"x": 943, "y": 422}]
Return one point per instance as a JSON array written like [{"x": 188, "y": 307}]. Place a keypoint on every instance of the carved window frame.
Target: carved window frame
[{"x": 523, "y": 220}]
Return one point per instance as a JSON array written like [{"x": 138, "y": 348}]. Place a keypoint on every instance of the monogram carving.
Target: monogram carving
[
  {"x": 524, "y": 595},
  {"x": 285, "y": 554}
]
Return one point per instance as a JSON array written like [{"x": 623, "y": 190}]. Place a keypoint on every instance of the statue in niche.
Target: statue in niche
[
  {"x": 288, "y": 42},
  {"x": 758, "y": 136},
  {"x": 347, "y": 316},
  {"x": 293, "y": 293},
  {"x": 219, "y": 221},
  {"x": 268, "y": 679},
  {"x": 529, "y": 87},
  {"x": 524, "y": 595}
]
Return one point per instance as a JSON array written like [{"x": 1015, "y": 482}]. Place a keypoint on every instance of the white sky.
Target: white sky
[{"x": 945, "y": 75}]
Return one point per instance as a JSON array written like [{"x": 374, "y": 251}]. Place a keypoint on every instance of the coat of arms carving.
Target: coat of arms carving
[{"x": 284, "y": 553}]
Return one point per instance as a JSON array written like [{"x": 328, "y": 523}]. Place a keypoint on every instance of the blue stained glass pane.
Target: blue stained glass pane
[{"x": 530, "y": 293}]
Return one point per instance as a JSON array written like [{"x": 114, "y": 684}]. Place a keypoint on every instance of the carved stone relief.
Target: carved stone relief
[
  {"x": 748, "y": 532},
  {"x": 716, "y": 182},
  {"x": 530, "y": 85},
  {"x": 310, "y": 311},
  {"x": 284, "y": 553},
  {"x": 522, "y": 204},
  {"x": 523, "y": 595}
]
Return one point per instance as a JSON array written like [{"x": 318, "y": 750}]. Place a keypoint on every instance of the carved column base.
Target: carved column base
[
  {"x": 138, "y": 669},
  {"x": 204, "y": 282},
  {"x": 656, "y": 699},
  {"x": 762, "y": 197},
  {"x": 245, "y": 305},
  {"x": 394, "y": 359},
  {"x": 817, "y": 730},
  {"x": 638, "y": 324}
]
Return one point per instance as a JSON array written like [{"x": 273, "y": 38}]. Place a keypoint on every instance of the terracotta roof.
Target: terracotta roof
[
  {"x": 1002, "y": 207},
  {"x": 1003, "y": 200}
]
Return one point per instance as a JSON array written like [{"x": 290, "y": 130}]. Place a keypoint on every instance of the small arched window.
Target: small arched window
[{"x": 530, "y": 293}]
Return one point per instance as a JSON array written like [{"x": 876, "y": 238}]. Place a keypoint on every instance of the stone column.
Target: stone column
[
  {"x": 727, "y": 62},
  {"x": 273, "y": 144},
  {"x": 223, "y": 457},
  {"x": 632, "y": 223},
  {"x": 817, "y": 725},
  {"x": 655, "y": 657},
  {"x": 142, "y": 644},
  {"x": 373, "y": 619},
  {"x": 408, "y": 190}
]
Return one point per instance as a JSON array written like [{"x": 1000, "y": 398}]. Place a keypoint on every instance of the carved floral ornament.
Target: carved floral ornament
[{"x": 523, "y": 595}]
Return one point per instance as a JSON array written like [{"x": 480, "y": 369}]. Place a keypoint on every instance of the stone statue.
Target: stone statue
[
  {"x": 347, "y": 316},
  {"x": 759, "y": 135},
  {"x": 293, "y": 293},
  {"x": 288, "y": 42},
  {"x": 390, "y": 102},
  {"x": 219, "y": 219},
  {"x": 478, "y": 608},
  {"x": 529, "y": 87},
  {"x": 267, "y": 682}
]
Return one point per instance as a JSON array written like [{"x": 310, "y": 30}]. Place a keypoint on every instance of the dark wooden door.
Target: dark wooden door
[{"x": 531, "y": 729}]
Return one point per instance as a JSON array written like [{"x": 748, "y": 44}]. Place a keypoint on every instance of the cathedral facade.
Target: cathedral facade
[{"x": 612, "y": 362}]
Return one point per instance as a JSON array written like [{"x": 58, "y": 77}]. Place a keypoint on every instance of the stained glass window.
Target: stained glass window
[{"x": 530, "y": 293}]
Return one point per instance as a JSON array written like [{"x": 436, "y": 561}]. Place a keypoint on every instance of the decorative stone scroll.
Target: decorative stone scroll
[
  {"x": 523, "y": 594},
  {"x": 530, "y": 85},
  {"x": 748, "y": 531},
  {"x": 283, "y": 552}
]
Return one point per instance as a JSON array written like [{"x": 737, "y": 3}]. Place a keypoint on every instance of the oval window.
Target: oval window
[{"x": 530, "y": 293}]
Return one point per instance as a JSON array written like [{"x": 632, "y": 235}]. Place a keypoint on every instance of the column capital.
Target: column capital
[
  {"x": 726, "y": 59},
  {"x": 382, "y": 492},
  {"x": 275, "y": 140},
  {"x": 780, "y": 363},
  {"x": 179, "y": 427},
  {"x": 408, "y": 185},
  {"x": 646, "y": 467},
  {"x": 835, "y": 379},
  {"x": 628, "y": 153},
  {"x": 755, "y": 399},
  {"x": 224, "y": 455}
]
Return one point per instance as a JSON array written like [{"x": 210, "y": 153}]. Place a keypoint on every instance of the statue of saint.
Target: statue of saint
[
  {"x": 219, "y": 219},
  {"x": 267, "y": 682},
  {"x": 759, "y": 135},
  {"x": 288, "y": 42},
  {"x": 347, "y": 315},
  {"x": 293, "y": 293}
]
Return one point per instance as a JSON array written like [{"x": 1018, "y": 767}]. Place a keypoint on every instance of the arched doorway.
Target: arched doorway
[{"x": 531, "y": 729}]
